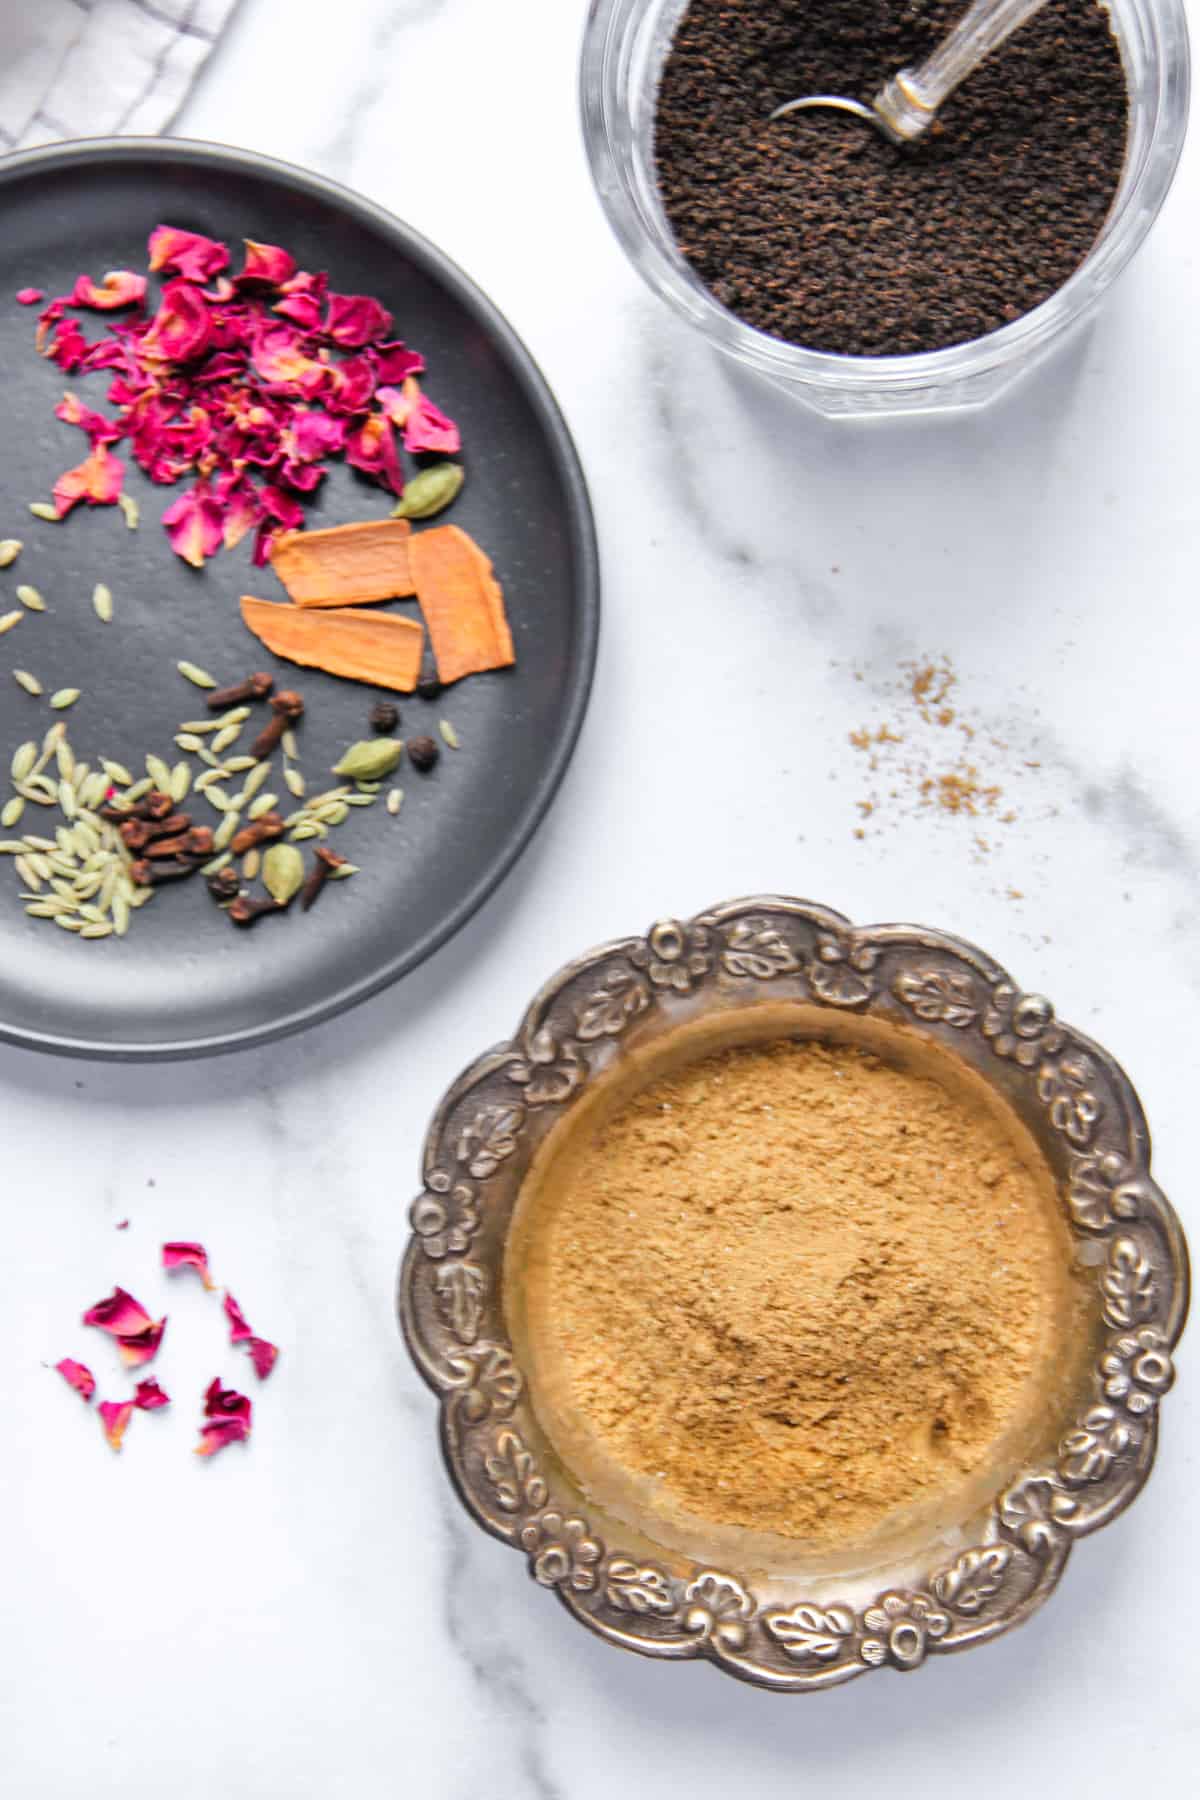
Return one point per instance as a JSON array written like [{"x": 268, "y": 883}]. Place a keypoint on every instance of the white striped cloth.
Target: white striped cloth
[{"x": 91, "y": 68}]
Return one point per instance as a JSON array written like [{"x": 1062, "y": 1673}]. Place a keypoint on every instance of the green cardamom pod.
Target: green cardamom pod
[
  {"x": 430, "y": 492},
  {"x": 370, "y": 760},
  {"x": 283, "y": 872}
]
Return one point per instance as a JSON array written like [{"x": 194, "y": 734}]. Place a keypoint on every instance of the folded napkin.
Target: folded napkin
[{"x": 89, "y": 68}]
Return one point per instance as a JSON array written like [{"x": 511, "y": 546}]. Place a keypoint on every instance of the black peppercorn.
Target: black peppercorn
[
  {"x": 429, "y": 687},
  {"x": 422, "y": 753},
  {"x": 384, "y": 716}
]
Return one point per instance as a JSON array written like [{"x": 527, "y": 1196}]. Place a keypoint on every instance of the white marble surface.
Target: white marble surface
[{"x": 315, "y": 1617}]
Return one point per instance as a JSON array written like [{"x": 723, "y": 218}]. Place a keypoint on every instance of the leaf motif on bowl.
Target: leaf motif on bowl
[
  {"x": 460, "y": 1288},
  {"x": 608, "y": 1009},
  {"x": 973, "y": 1579},
  {"x": 1128, "y": 1284},
  {"x": 1102, "y": 1439},
  {"x": 514, "y": 1476},
  {"x": 757, "y": 948},
  {"x": 938, "y": 996},
  {"x": 635, "y": 1588},
  {"x": 811, "y": 1634},
  {"x": 489, "y": 1139}
]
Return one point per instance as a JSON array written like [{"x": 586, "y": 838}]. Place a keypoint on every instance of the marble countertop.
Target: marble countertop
[{"x": 316, "y": 1617}]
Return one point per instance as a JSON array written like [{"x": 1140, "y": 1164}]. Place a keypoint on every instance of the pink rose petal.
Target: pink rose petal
[
  {"x": 227, "y": 1418},
  {"x": 97, "y": 479},
  {"x": 263, "y": 1354},
  {"x": 30, "y": 296},
  {"x": 194, "y": 525},
  {"x": 266, "y": 263},
  {"x": 120, "y": 1315},
  {"x": 355, "y": 319},
  {"x": 148, "y": 1396},
  {"x": 181, "y": 1255},
  {"x": 78, "y": 1375},
  {"x": 99, "y": 429},
  {"x": 239, "y": 1331},
  {"x": 115, "y": 1416},
  {"x": 120, "y": 287},
  {"x": 181, "y": 328},
  {"x": 218, "y": 1433},
  {"x": 194, "y": 257}
]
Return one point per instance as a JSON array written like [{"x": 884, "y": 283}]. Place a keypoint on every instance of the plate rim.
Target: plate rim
[{"x": 581, "y": 528}]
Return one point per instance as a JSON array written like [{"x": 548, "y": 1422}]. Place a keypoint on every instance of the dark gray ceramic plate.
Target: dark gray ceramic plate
[{"x": 185, "y": 982}]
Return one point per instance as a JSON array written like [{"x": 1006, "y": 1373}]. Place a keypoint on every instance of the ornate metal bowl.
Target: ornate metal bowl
[{"x": 793, "y": 1631}]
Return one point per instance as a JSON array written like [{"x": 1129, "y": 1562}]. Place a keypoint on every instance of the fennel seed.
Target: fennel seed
[
  {"x": 102, "y": 603},
  {"x": 29, "y": 682},
  {"x": 63, "y": 698},
  {"x": 198, "y": 677},
  {"x": 30, "y": 598}
]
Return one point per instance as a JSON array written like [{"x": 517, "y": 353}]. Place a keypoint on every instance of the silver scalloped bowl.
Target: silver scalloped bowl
[{"x": 743, "y": 970}]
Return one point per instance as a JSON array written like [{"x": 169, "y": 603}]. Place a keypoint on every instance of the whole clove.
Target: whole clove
[
  {"x": 154, "y": 805},
  {"x": 287, "y": 708},
  {"x": 255, "y": 687},
  {"x": 145, "y": 873},
  {"x": 197, "y": 841},
  {"x": 246, "y": 911},
  {"x": 325, "y": 862},
  {"x": 225, "y": 884},
  {"x": 135, "y": 834},
  {"x": 259, "y": 831}
]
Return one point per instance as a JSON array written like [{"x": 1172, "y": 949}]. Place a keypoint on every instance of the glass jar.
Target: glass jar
[{"x": 625, "y": 45}]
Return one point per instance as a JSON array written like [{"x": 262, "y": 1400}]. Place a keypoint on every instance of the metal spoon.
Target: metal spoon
[{"x": 906, "y": 106}]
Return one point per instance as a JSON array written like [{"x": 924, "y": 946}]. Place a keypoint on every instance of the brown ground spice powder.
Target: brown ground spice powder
[{"x": 795, "y": 1288}]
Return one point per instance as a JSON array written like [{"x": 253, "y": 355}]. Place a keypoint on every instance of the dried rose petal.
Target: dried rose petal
[
  {"x": 148, "y": 1396},
  {"x": 141, "y": 1347},
  {"x": 181, "y": 328},
  {"x": 78, "y": 1375},
  {"x": 181, "y": 1255},
  {"x": 280, "y": 513},
  {"x": 218, "y": 1433},
  {"x": 97, "y": 479},
  {"x": 239, "y": 1331},
  {"x": 30, "y": 296},
  {"x": 304, "y": 310},
  {"x": 227, "y": 1414},
  {"x": 426, "y": 427},
  {"x": 100, "y": 430},
  {"x": 122, "y": 1224},
  {"x": 120, "y": 1315},
  {"x": 263, "y": 1354},
  {"x": 226, "y": 1403},
  {"x": 281, "y": 361},
  {"x": 266, "y": 263},
  {"x": 115, "y": 1416},
  {"x": 395, "y": 362},
  {"x": 194, "y": 525},
  {"x": 240, "y": 506},
  {"x": 126, "y": 1319},
  {"x": 355, "y": 319},
  {"x": 120, "y": 287},
  {"x": 194, "y": 257},
  {"x": 372, "y": 448}
]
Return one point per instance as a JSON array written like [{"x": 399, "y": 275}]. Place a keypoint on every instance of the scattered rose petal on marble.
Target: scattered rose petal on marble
[
  {"x": 121, "y": 1224},
  {"x": 78, "y": 1375},
  {"x": 263, "y": 1354},
  {"x": 183, "y": 1255},
  {"x": 227, "y": 1417},
  {"x": 115, "y": 1416},
  {"x": 126, "y": 1320},
  {"x": 148, "y": 1396}
]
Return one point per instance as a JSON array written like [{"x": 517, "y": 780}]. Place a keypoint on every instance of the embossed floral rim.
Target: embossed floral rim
[{"x": 1084, "y": 1113}]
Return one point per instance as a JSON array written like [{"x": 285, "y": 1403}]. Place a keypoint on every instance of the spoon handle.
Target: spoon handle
[{"x": 907, "y": 104}]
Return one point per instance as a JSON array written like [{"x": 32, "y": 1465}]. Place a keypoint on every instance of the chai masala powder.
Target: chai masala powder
[{"x": 795, "y": 1288}]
